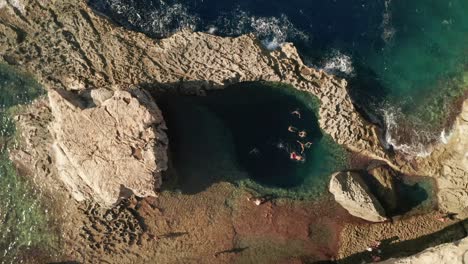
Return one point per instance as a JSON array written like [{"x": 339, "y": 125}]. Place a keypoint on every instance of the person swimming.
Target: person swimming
[
  {"x": 296, "y": 112},
  {"x": 302, "y": 134},
  {"x": 304, "y": 145},
  {"x": 292, "y": 129},
  {"x": 294, "y": 156}
]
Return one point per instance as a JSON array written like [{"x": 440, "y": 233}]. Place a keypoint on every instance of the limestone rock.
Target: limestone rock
[
  {"x": 352, "y": 193},
  {"x": 450, "y": 253},
  {"x": 108, "y": 148},
  {"x": 65, "y": 44},
  {"x": 384, "y": 177}
]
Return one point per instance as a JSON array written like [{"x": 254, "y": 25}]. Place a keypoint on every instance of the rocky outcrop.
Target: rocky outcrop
[
  {"x": 109, "y": 146},
  {"x": 452, "y": 176},
  {"x": 450, "y": 253},
  {"x": 448, "y": 164},
  {"x": 384, "y": 178},
  {"x": 353, "y": 194},
  {"x": 66, "y": 45}
]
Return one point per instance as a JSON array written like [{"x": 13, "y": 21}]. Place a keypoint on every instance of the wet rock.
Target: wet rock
[
  {"x": 352, "y": 193},
  {"x": 450, "y": 253},
  {"x": 93, "y": 142}
]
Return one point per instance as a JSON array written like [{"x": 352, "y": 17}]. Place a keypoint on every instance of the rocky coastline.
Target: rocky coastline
[{"x": 97, "y": 76}]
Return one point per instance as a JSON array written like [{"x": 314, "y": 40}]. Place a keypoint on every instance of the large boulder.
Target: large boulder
[
  {"x": 108, "y": 145},
  {"x": 383, "y": 178},
  {"x": 449, "y": 253},
  {"x": 352, "y": 193}
]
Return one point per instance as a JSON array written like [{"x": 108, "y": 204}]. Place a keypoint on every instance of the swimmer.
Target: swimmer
[
  {"x": 296, "y": 112},
  {"x": 296, "y": 157},
  {"x": 302, "y": 134},
  {"x": 302, "y": 146},
  {"x": 292, "y": 129}
]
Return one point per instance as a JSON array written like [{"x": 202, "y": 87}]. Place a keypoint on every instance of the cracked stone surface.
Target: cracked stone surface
[{"x": 110, "y": 149}]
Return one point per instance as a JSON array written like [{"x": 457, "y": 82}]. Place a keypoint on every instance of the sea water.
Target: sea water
[
  {"x": 24, "y": 225},
  {"x": 245, "y": 134},
  {"x": 406, "y": 61}
]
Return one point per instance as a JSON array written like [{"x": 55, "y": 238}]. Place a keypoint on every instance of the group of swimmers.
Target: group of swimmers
[
  {"x": 301, "y": 134},
  {"x": 293, "y": 154}
]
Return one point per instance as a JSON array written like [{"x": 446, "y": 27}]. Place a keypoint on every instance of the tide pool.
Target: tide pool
[{"x": 245, "y": 134}]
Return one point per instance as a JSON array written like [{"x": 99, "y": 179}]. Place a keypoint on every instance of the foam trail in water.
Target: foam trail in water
[{"x": 338, "y": 63}]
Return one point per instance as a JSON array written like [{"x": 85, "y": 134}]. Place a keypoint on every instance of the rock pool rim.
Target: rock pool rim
[{"x": 255, "y": 94}]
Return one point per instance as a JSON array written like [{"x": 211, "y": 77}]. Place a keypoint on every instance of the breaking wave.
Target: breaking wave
[
  {"x": 409, "y": 136},
  {"x": 339, "y": 64},
  {"x": 272, "y": 31},
  {"x": 155, "y": 18}
]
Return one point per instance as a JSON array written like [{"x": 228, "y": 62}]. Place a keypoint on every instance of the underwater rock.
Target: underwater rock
[
  {"x": 449, "y": 253},
  {"x": 352, "y": 193},
  {"x": 109, "y": 146}
]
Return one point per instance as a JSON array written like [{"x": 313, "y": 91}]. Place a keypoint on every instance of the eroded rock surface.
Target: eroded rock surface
[
  {"x": 110, "y": 146},
  {"x": 450, "y": 253},
  {"x": 67, "y": 46},
  {"x": 353, "y": 194},
  {"x": 448, "y": 164}
]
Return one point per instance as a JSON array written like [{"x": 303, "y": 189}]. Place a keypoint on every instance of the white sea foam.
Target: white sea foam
[
  {"x": 273, "y": 31},
  {"x": 338, "y": 62},
  {"x": 162, "y": 21},
  {"x": 421, "y": 143},
  {"x": 212, "y": 30},
  {"x": 445, "y": 136}
]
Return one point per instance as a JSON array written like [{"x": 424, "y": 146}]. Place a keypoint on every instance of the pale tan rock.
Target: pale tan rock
[
  {"x": 448, "y": 164},
  {"x": 450, "y": 253},
  {"x": 353, "y": 194},
  {"x": 66, "y": 45},
  {"x": 81, "y": 50},
  {"x": 104, "y": 150}
]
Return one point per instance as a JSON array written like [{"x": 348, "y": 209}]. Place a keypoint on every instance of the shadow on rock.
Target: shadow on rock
[{"x": 391, "y": 249}]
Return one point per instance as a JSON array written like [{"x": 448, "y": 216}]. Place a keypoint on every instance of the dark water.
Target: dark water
[
  {"x": 406, "y": 60},
  {"x": 241, "y": 134}
]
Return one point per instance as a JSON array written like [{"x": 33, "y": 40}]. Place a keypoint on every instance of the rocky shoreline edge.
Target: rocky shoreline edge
[{"x": 53, "y": 42}]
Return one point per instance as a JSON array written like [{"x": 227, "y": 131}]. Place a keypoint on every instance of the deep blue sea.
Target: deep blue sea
[{"x": 406, "y": 61}]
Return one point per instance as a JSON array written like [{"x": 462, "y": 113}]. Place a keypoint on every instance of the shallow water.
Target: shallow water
[
  {"x": 404, "y": 58},
  {"x": 24, "y": 224},
  {"x": 241, "y": 134}
]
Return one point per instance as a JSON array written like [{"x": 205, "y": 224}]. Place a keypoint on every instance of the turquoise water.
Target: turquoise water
[
  {"x": 424, "y": 63},
  {"x": 240, "y": 134},
  {"x": 406, "y": 61},
  {"x": 24, "y": 222}
]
